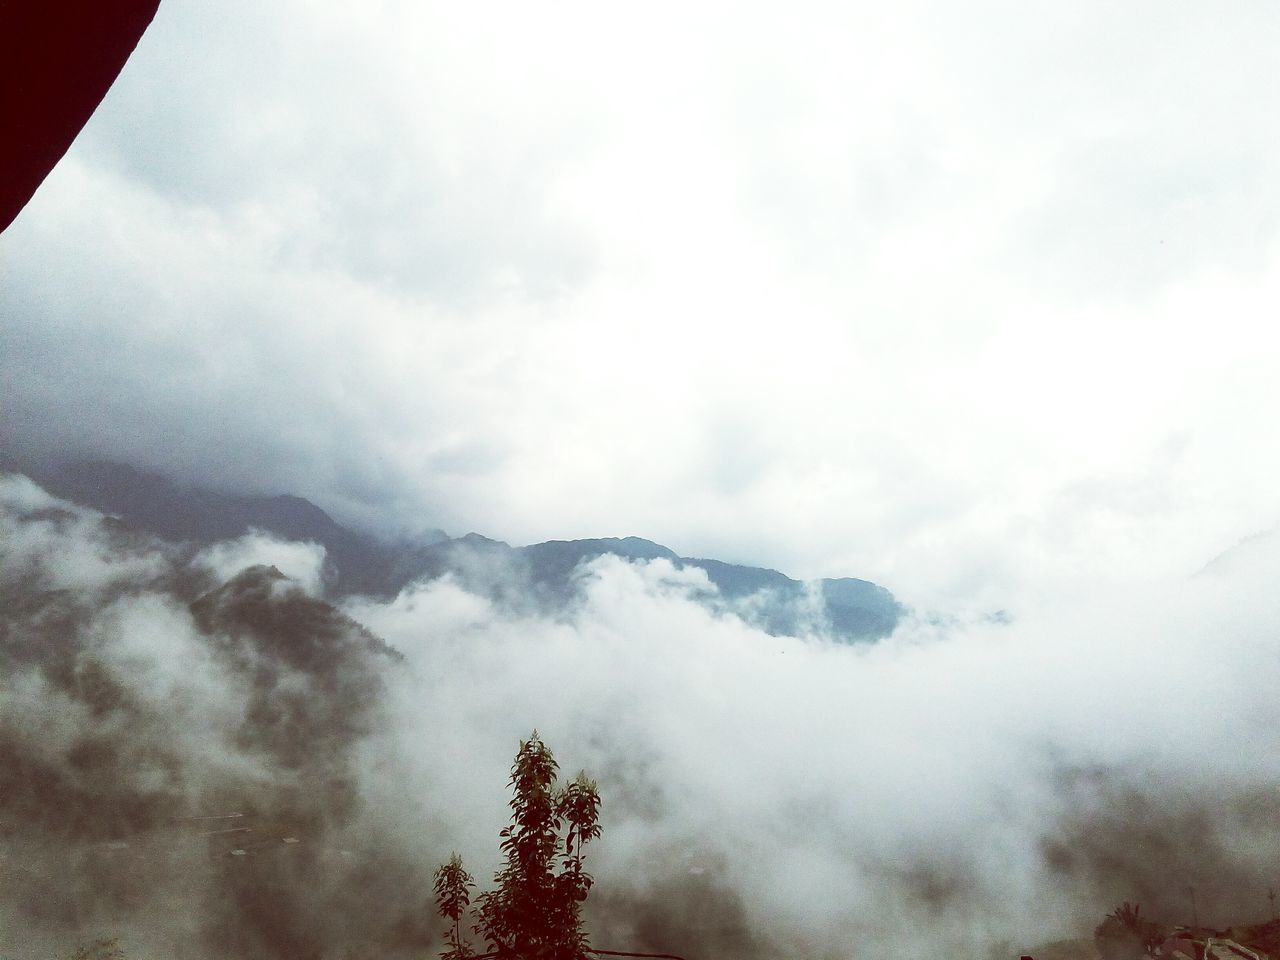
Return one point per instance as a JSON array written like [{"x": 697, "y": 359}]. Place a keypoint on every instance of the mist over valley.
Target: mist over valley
[
  {"x": 843, "y": 432},
  {"x": 211, "y": 750}
]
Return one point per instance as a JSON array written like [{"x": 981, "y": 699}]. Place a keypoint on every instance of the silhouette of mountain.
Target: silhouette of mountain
[
  {"x": 542, "y": 573},
  {"x": 356, "y": 563}
]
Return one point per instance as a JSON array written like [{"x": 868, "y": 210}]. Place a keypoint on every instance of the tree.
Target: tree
[
  {"x": 535, "y": 911},
  {"x": 1125, "y": 934},
  {"x": 453, "y": 896}
]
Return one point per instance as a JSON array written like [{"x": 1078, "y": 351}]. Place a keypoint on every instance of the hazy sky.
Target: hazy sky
[
  {"x": 959, "y": 299},
  {"x": 975, "y": 301}
]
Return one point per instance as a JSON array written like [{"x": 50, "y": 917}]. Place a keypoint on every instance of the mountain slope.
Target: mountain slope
[{"x": 850, "y": 609}]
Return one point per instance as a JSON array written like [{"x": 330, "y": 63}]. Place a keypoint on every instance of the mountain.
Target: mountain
[
  {"x": 542, "y": 573},
  {"x": 147, "y": 502},
  {"x": 854, "y": 609}
]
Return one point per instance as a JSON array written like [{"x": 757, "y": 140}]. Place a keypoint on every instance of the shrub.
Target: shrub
[{"x": 1125, "y": 935}]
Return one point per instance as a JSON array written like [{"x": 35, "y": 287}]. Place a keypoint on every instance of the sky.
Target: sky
[{"x": 974, "y": 303}]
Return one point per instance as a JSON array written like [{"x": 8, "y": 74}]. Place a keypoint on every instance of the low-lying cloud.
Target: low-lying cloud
[
  {"x": 955, "y": 788},
  {"x": 302, "y": 563}
]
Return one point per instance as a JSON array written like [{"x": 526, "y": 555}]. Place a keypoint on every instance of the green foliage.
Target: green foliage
[
  {"x": 453, "y": 896},
  {"x": 1129, "y": 916},
  {"x": 1125, "y": 935},
  {"x": 535, "y": 912}
]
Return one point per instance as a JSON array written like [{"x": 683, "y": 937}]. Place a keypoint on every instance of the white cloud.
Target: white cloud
[
  {"x": 828, "y": 785},
  {"x": 846, "y": 291},
  {"x": 35, "y": 529},
  {"x": 907, "y": 793},
  {"x": 302, "y": 563}
]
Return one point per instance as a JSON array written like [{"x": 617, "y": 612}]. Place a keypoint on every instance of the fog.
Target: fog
[
  {"x": 967, "y": 787},
  {"x": 957, "y": 300}
]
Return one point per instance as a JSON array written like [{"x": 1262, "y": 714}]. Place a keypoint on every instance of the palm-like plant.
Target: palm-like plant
[
  {"x": 1125, "y": 935},
  {"x": 1128, "y": 915}
]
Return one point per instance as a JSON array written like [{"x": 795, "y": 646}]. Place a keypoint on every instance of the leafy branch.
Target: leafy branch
[{"x": 534, "y": 912}]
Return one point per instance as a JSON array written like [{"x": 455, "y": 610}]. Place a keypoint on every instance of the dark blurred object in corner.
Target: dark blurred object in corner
[{"x": 58, "y": 59}]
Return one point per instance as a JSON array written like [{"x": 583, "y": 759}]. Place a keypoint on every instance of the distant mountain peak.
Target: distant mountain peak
[
  {"x": 540, "y": 573},
  {"x": 479, "y": 540}
]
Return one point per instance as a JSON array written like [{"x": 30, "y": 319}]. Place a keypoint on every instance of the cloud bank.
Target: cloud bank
[{"x": 951, "y": 789}]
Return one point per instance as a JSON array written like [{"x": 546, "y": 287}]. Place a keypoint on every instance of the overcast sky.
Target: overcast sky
[
  {"x": 965, "y": 300},
  {"x": 975, "y": 301}
]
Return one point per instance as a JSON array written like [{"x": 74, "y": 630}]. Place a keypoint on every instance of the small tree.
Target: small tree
[
  {"x": 453, "y": 896},
  {"x": 1125, "y": 934},
  {"x": 535, "y": 912}
]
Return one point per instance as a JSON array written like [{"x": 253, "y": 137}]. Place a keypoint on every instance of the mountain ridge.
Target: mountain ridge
[{"x": 850, "y": 609}]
